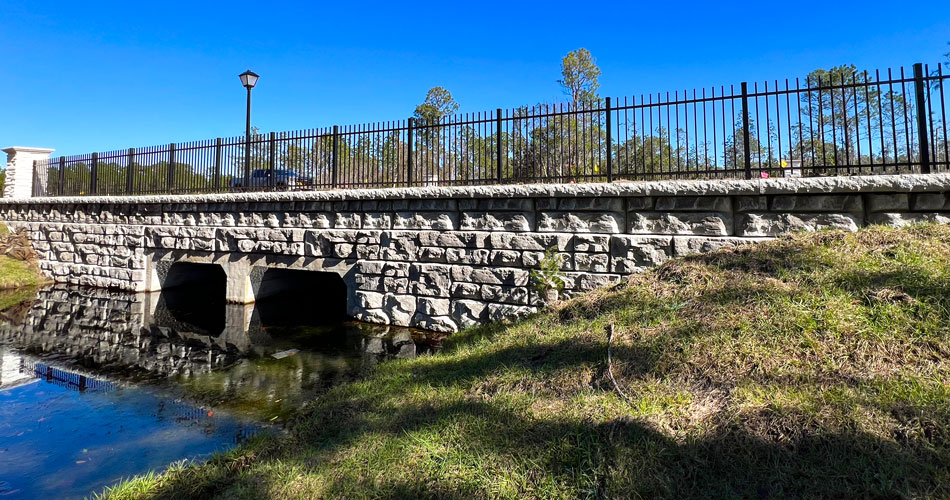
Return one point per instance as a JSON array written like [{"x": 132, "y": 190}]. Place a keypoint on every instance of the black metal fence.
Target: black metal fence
[{"x": 849, "y": 123}]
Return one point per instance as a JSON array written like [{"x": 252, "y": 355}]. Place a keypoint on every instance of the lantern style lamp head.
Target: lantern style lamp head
[{"x": 249, "y": 79}]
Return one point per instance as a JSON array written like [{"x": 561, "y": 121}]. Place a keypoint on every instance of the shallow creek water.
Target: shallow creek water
[{"x": 97, "y": 386}]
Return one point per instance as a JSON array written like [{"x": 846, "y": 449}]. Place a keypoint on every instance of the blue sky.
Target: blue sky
[{"x": 95, "y": 76}]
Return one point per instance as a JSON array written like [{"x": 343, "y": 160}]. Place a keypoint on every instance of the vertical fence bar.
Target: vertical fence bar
[
  {"x": 335, "y": 158},
  {"x": 272, "y": 160},
  {"x": 217, "y": 164},
  {"x": 33, "y": 179},
  {"x": 409, "y": 151},
  {"x": 130, "y": 172},
  {"x": 923, "y": 141},
  {"x": 747, "y": 151},
  {"x": 94, "y": 173},
  {"x": 499, "y": 171},
  {"x": 171, "y": 167},
  {"x": 62, "y": 175},
  {"x": 610, "y": 163}
]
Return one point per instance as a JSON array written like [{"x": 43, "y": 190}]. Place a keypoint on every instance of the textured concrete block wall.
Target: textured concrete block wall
[{"x": 446, "y": 258}]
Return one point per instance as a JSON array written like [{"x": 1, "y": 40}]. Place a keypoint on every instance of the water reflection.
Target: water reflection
[
  {"x": 212, "y": 352},
  {"x": 65, "y": 432},
  {"x": 130, "y": 382}
]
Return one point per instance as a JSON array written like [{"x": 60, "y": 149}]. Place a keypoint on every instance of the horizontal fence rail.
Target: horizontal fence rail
[{"x": 847, "y": 123}]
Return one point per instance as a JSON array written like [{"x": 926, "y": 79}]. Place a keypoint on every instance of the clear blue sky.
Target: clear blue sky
[{"x": 94, "y": 76}]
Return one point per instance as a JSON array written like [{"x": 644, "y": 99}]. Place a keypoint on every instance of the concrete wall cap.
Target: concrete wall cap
[
  {"x": 806, "y": 185},
  {"x": 26, "y": 149}
]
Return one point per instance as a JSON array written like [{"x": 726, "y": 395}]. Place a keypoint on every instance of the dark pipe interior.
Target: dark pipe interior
[
  {"x": 195, "y": 293},
  {"x": 290, "y": 297}
]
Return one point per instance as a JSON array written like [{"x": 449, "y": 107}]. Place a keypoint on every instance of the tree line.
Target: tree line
[{"x": 846, "y": 118}]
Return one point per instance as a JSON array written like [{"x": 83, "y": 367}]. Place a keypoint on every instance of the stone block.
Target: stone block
[
  {"x": 395, "y": 285},
  {"x": 442, "y": 324},
  {"x": 426, "y": 220},
  {"x": 377, "y": 221},
  {"x": 469, "y": 312},
  {"x": 369, "y": 300},
  {"x": 693, "y": 245},
  {"x": 701, "y": 223},
  {"x": 593, "y": 262},
  {"x": 897, "y": 202},
  {"x": 347, "y": 220},
  {"x": 497, "y": 221},
  {"x": 377, "y": 316},
  {"x": 587, "y": 204},
  {"x": 426, "y": 205},
  {"x": 581, "y": 222},
  {"x": 507, "y": 258},
  {"x": 467, "y": 256},
  {"x": 817, "y": 203},
  {"x": 367, "y": 251},
  {"x": 400, "y": 308},
  {"x": 454, "y": 239},
  {"x": 490, "y": 275},
  {"x": 496, "y": 205},
  {"x": 431, "y": 306},
  {"x": 931, "y": 202},
  {"x": 693, "y": 204},
  {"x": 506, "y": 294},
  {"x": 430, "y": 279},
  {"x": 510, "y": 312},
  {"x": 587, "y": 281},
  {"x": 775, "y": 224},
  {"x": 396, "y": 269},
  {"x": 432, "y": 254},
  {"x": 466, "y": 290},
  {"x": 591, "y": 243},
  {"x": 630, "y": 254},
  {"x": 908, "y": 218},
  {"x": 531, "y": 241},
  {"x": 640, "y": 202}
]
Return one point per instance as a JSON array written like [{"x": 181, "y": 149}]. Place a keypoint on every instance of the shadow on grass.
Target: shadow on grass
[
  {"x": 616, "y": 459},
  {"x": 360, "y": 440}
]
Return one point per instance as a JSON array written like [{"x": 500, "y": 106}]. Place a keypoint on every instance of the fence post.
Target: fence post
[
  {"x": 922, "y": 118},
  {"x": 171, "y": 167},
  {"x": 334, "y": 174},
  {"x": 217, "y": 164},
  {"x": 610, "y": 162},
  {"x": 500, "y": 173},
  {"x": 272, "y": 163},
  {"x": 33, "y": 177},
  {"x": 62, "y": 175},
  {"x": 746, "y": 147},
  {"x": 130, "y": 172},
  {"x": 94, "y": 174},
  {"x": 409, "y": 155}
]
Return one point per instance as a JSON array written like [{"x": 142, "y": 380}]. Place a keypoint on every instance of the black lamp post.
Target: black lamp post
[{"x": 249, "y": 80}]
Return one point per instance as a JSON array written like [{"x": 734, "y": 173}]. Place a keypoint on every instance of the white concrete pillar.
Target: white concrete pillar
[{"x": 18, "y": 182}]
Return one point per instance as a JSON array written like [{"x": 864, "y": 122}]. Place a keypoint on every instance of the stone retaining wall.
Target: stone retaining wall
[{"x": 445, "y": 258}]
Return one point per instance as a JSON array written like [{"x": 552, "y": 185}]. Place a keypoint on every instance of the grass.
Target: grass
[
  {"x": 816, "y": 365},
  {"x": 17, "y": 264}
]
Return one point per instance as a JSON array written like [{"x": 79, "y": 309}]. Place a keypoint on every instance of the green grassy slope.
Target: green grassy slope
[{"x": 812, "y": 366}]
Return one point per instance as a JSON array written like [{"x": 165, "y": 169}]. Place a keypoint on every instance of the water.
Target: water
[{"x": 96, "y": 385}]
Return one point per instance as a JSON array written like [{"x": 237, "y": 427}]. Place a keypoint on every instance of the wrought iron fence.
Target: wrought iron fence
[{"x": 862, "y": 123}]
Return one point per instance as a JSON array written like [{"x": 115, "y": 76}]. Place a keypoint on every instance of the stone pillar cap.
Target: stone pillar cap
[{"x": 27, "y": 149}]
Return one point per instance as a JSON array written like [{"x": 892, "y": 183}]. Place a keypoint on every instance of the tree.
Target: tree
[
  {"x": 438, "y": 103},
  {"x": 579, "y": 73},
  {"x": 428, "y": 157}
]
